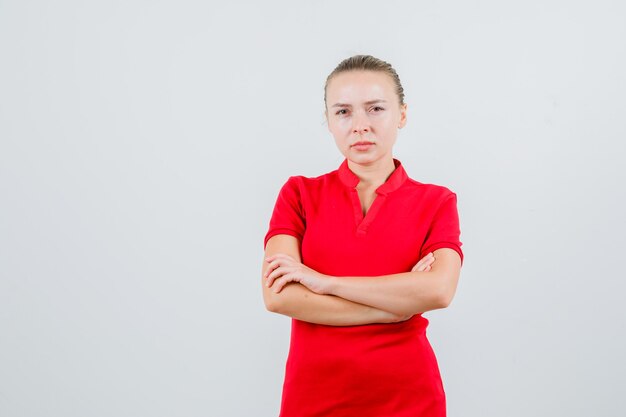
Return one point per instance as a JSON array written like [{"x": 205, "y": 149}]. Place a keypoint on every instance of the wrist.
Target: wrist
[{"x": 331, "y": 284}]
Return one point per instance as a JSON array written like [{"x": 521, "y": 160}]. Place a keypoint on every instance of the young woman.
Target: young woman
[{"x": 355, "y": 256}]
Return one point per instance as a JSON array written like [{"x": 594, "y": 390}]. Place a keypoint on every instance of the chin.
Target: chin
[{"x": 363, "y": 159}]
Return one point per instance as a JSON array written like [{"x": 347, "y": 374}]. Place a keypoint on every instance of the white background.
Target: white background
[{"x": 143, "y": 144}]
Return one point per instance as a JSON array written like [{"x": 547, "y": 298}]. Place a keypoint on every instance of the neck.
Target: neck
[{"x": 374, "y": 174}]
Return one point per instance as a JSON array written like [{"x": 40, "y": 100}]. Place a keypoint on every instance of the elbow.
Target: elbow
[
  {"x": 272, "y": 301},
  {"x": 444, "y": 290},
  {"x": 444, "y": 298},
  {"x": 444, "y": 301},
  {"x": 270, "y": 298},
  {"x": 270, "y": 304},
  {"x": 274, "y": 307},
  {"x": 435, "y": 300},
  {"x": 282, "y": 302}
]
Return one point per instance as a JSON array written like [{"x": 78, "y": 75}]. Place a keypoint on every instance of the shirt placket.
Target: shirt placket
[{"x": 363, "y": 223}]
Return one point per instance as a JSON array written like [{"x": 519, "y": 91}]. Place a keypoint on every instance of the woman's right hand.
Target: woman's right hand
[{"x": 424, "y": 264}]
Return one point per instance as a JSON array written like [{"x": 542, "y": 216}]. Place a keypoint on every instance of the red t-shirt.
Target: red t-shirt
[{"x": 378, "y": 370}]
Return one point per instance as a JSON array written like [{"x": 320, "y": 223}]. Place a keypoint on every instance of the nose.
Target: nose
[{"x": 360, "y": 123}]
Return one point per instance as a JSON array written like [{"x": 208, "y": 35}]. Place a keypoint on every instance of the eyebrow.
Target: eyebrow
[{"x": 367, "y": 102}]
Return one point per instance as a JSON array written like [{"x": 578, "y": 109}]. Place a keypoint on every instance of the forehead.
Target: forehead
[{"x": 357, "y": 86}]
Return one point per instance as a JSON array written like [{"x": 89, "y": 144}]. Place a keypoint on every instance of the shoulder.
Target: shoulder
[
  {"x": 412, "y": 185},
  {"x": 433, "y": 193},
  {"x": 307, "y": 184}
]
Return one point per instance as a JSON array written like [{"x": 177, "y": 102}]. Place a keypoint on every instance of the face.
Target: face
[{"x": 363, "y": 107}]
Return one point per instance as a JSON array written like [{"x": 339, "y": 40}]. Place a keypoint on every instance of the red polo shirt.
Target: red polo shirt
[{"x": 378, "y": 370}]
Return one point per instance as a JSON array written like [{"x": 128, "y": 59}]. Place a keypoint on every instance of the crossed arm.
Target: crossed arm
[{"x": 293, "y": 289}]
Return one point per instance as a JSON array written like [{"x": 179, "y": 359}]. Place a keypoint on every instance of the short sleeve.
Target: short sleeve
[
  {"x": 444, "y": 231},
  {"x": 288, "y": 216}
]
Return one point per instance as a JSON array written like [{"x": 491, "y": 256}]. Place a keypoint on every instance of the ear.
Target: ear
[{"x": 402, "y": 121}]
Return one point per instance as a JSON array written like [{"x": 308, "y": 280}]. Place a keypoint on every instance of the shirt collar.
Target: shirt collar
[{"x": 395, "y": 180}]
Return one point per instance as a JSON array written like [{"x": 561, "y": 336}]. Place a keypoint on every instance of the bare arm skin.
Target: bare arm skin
[
  {"x": 403, "y": 294},
  {"x": 406, "y": 293},
  {"x": 297, "y": 301}
]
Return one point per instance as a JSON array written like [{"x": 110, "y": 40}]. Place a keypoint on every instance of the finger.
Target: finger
[
  {"x": 421, "y": 268},
  {"x": 428, "y": 259},
  {"x": 270, "y": 258},
  {"x": 275, "y": 264},
  {"x": 276, "y": 273},
  {"x": 422, "y": 264},
  {"x": 282, "y": 281},
  {"x": 416, "y": 267},
  {"x": 268, "y": 270},
  {"x": 271, "y": 267}
]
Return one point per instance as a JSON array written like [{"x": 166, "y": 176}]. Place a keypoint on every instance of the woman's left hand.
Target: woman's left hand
[{"x": 283, "y": 269}]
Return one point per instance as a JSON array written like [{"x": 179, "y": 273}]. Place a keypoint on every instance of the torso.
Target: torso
[{"x": 378, "y": 369}]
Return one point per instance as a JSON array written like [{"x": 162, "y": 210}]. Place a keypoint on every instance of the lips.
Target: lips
[{"x": 362, "y": 146}]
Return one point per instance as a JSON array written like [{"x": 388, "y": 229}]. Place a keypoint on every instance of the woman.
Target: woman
[{"x": 340, "y": 259}]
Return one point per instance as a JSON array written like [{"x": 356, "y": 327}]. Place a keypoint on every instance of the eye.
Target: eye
[
  {"x": 377, "y": 108},
  {"x": 341, "y": 111}
]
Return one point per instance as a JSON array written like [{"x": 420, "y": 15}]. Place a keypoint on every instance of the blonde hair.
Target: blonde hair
[{"x": 367, "y": 63}]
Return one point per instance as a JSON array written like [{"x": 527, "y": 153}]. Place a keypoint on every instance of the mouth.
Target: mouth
[{"x": 362, "y": 145}]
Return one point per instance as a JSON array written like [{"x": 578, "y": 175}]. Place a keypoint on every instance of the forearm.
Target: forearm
[
  {"x": 406, "y": 293},
  {"x": 298, "y": 302}
]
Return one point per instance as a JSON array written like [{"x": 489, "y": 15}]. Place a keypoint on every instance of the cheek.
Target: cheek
[
  {"x": 345, "y": 124},
  {"x": 385, "y": 119},
  {"x": 340, "y": 126},
  {"x": 387, "y": 123}
]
